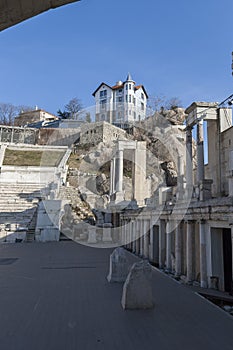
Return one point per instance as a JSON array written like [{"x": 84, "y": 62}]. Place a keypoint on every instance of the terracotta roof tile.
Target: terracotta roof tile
[{"x": 116, "y": 87}]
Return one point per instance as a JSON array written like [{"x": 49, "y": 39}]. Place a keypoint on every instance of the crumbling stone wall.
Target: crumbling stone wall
[
  {"x": 94, "y": 133},
  {"x": 58, "y": 137}
]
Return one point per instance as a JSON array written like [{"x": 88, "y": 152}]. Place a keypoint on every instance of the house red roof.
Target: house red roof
[{"x": 116, "y": 87}]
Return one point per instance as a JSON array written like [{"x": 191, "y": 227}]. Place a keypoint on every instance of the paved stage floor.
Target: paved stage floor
[{"x": 55, "y": 296}]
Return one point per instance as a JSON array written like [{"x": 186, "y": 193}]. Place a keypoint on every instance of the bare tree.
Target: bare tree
[
  {"x": 73, "y": 107},
  {"x": 8, "y": 112},
  {"x": 161, "y": 102},
  {"x": 173, "y": 103},
  {"x": 156, "y": 102}
]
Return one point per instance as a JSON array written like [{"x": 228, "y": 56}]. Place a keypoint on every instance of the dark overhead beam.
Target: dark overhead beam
[{"x": 16, "y": 11}]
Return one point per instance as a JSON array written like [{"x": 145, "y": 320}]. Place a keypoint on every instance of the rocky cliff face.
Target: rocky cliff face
[{"x": 165, "y": 137}]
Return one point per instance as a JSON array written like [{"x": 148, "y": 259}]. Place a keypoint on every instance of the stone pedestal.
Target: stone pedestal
[
  {"x": 119, "y": 266},
  {"x": 92, "y": 235},
  {"x": 107, "y": 236},
  {"x": 137, "y": 289},
  {"x": 205, "y": 192},
  {"x": 230, "y": 181}
]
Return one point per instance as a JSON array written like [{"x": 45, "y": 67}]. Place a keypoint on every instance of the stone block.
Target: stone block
[
  {"x": 119, "y": 266},
  {"x": 107, "y": 234},
  {"x": 137, "y": 289},
  {"x": 92, "y": 235},
  {"x": 48, "y": 234}
]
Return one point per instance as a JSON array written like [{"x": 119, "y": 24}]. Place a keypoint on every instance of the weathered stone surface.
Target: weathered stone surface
[
  {"x": 119, "y": 266},
  {"x": 107, "y": 235},
  {"x": 137, "y": 290},
  {"x": 92, "y": 235}
]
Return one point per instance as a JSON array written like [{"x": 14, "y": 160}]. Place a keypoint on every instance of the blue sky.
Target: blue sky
[{"x": 175, "y": 48}]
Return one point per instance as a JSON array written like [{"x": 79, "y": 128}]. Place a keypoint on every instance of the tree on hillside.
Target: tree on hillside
[
  {"x": 63, "y": 115},
  {"x": 159, "y": 102},
  {"x": 71, "y": 109},
  {"x": 173, "y": 103},
  {"x": 8, "y": 112}
]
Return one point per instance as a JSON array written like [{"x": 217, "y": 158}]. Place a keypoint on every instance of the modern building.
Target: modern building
[{"x": 123, "y": 103}]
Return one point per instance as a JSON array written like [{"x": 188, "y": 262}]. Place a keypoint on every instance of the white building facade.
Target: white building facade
[{"x": 122, "y": 103}]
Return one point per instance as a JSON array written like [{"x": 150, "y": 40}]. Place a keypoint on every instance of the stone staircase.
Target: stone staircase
[
  {"x": 18, "y": 206},
  {"x": 81, "y": 211},
  {"x": 30, "y": 236}
]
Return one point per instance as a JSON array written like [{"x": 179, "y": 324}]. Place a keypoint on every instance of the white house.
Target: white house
[{"x": 122, "y": 103}]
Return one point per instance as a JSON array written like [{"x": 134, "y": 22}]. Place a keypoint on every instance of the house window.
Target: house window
[
  {"x": 130, "y": 112},
  {"x": 103, "y": 104},
  {"x": 130, "y": 98},
  {"x": 126, "y": 86},
  {"x": 129, "y": 86},
  {"x": 120, "y": 91},
  {"x": 120, "y": 99},
  {"x": 134, "y": 101},
  {"x": 142, "y": 106},
  {"x": 103, "y": 93},
  {"x": 142, "y": 95},
  {"x": 126, "y": 98}
]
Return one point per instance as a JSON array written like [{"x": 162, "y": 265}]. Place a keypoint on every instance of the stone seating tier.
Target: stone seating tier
[{"x": 18, "y": 204}]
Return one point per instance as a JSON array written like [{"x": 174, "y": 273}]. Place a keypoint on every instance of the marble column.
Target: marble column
[
  {"x": 151, "y": 242},
  {"x": 141, "y": 237},
  {"x": 168, "y": 246},
  {"x": 200, "y": 152},
  {"x": 133, "y": 238},
  {"x": 119, "y": 171},
  {"x": 178, "y": 249},
  {"x": 130, "y": 236},
  {"x": 162, "y": 243},
  {"x": 189, "y": 250},
  {"x": 203, "y": 265},
  {"x": 127, "y": 228},
  {"x": 146, "y": 238},
  {"x": 123, "y": 229},
  {"x": 137, "y": 237},
  {"x": 139, "y": 174},
  {"x": 112, "y": 176},
  {"x": 189, "y": 162},
  {"x": 180, "y": 177}
]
